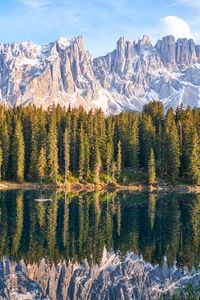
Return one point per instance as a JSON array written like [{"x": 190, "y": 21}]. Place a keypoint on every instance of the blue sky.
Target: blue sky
[{"x": 101, "y": 22}]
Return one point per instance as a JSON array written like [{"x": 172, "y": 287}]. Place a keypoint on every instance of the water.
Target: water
[{"x": 79, "y": 229}]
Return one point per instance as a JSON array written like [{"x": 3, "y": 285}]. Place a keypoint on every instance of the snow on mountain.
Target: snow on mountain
[
  {"x": 114, "y": 278},
  {"x": 64, "y": 73}
]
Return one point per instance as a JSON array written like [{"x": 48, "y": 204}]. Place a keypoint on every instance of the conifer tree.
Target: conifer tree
[
  {"x": 171, "y": 149},
  {"x": 53, "y": 150},
  {"x": 18, "y": 152},
  {"x": 108, "y": 158},
  {"x": 66, "y": 153},
  {"x": 151, "y": 168},
  {"x": 97, "y": 160},
  {"x": 87, "y": 156},
  {"x": 5, "y": 144},
  {"x": 133, "y": 144},
  {"x": 101, "y": 127},
  {"x": 194, "y": 165},
  {"x": 81, "y": 153},
  {"x": 147, "y": 139},
  {"x": 1, "y": 162},
  {"x": 41, "y": 164},
  {"x": 74, "y": 144},
  {"x": 119, "y": 158},
  {"x": 34, "y": 150},
  {"x": 113, "y": 170}
]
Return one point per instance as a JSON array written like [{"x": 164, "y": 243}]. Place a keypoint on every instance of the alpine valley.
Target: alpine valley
[{"x": 64, "y": 73}]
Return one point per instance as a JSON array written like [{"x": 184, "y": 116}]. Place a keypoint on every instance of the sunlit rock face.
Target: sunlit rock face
[
  {"x": 115, "y": 278},
  {"x": 64, "y": 73},
  {"x": 58, "y": 73}
]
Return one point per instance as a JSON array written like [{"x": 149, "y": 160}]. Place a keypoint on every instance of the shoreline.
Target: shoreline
[{"x": 77, "y": 187}]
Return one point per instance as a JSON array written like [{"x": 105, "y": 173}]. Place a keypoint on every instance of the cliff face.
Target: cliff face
[
  {"x": 60, "y": 72},
  {"x": 130, "y": 278},
  {"x": 64, "y": 73}
]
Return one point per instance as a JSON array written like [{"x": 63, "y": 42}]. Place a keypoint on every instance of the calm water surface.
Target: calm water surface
[{"x": 75, "y": 228}]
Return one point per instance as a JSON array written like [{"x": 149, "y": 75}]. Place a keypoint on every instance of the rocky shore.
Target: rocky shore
[{"x": 89, "y": 187}]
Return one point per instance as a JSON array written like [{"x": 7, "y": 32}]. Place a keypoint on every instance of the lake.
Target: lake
[{"x": 98, "y": 245}]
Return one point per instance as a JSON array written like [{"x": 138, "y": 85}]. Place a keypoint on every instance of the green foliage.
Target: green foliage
[
  {"x": 188, "y": 292},
  {"x": 53, "y": 150},
  {"x": 41, "y": 164},
  {"x": 66, "y": 153},
  {"x": 1, "y": 161},
  {"x": 151, "y": 168},
  {"x": 171, "y": 151},
  {"x": 119, "y": 158},
  {"x": 194, "y": 164},
  {"x": 147, "y": 139},
  {"x": 53, "y": 144},
  {"x": 81, "y": 154},
  {"x": 17, "y": 152}
]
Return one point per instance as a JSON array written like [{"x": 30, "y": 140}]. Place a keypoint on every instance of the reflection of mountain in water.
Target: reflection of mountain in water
[
  {"x": 73, "y": 233},
  {"x": 131, "y": 278}
]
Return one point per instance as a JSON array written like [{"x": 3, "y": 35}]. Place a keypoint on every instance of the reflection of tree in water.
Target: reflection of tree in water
[
  {"x": 3, "y": 224},
  {"x": 75, "y": 228},
  {"x": 190, "y": 232},
  {"x": 18, "y": 226}
]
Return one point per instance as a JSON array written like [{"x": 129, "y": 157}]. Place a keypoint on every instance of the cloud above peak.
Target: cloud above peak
[{"x": 172, "y": 25}]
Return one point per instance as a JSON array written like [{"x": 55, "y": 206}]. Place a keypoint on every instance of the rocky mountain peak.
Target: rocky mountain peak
[
  {"x": 135, "y": 72},
  {"x": 167, "y": 49},
  {"x": 146, "y": 39},
  {"x": 144, "y": 45},
  {"x": 185, "y": 51}
]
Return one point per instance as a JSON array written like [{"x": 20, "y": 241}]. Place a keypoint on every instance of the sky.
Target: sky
[{"x": 101, "y": 22}]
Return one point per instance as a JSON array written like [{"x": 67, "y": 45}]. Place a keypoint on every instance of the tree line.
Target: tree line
[{"x": 58, "y": 144}]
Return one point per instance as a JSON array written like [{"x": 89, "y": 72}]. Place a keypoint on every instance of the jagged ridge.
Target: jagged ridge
[
  {"x": 130, "y": 278},
  {"x": 64, "y": 73}
]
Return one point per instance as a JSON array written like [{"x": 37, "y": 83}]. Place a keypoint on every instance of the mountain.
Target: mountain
[
  {"x": 114, "y": 278},
  {"x": 64, "y": 73}
]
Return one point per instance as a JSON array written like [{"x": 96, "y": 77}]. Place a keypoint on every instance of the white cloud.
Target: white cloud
[
  {"x": 35, "y": 3},
  {"x": 176, "y": 27}
]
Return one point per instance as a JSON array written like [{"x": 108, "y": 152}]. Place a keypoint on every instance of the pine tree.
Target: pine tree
[
  {"x": 119, "y": 158},
  {"x": 66, "y": 153},
  {"x": 18, "y": 152},
  {"x": 81, "y": 153},
  {"x": 171, "y": 151},
  {"x": 113, "y": 170},
  {"x": 5, "y": 144},
  {"x": 151, "y": 168},
  {"x": 194, "y": 165},
  {"x": 53, "y": 150},
  {"x": 109, "y": 157},
  {"x": 133, "y": 143},
  {"x": 34, "y": 150},
  {"x": 1, "y": 162},
  {"x": 147, "y": 139},
  {"x": 87, "y": 156},
  {"x": 41, "y": 164},
  {"x": 73, "y": 143},
  {"x": 97, "y": 160}
]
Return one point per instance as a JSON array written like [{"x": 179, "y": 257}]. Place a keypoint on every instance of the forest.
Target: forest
[{"x": 61, "y": 145}]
